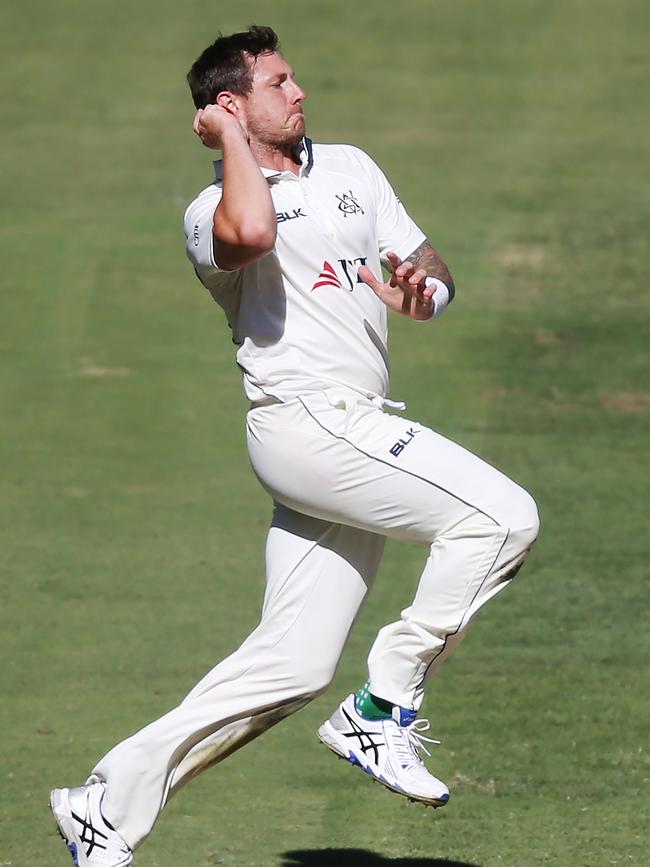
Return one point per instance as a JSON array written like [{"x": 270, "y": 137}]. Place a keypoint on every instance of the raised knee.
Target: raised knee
[{"x": 524, "y": 520}]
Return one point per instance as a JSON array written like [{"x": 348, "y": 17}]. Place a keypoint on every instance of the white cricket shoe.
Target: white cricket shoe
[
  {"x": 387, "y": 749},
  {"x": 92, "y": 841}
]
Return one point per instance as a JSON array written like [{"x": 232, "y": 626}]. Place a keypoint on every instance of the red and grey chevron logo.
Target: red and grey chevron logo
[{"x": 327, "y": 277}]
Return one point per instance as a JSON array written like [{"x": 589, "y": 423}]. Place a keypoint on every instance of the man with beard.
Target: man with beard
[{"x": 290, "y": 240}]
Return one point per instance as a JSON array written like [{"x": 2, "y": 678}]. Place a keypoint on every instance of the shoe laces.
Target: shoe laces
[{"x": 410, "y": 740}]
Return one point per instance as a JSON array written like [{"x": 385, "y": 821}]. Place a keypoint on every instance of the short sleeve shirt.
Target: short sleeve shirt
[{"x": 302, "y": 318}]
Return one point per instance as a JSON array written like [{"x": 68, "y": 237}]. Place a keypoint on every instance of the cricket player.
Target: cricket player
[{"x": 290, "y": 239}]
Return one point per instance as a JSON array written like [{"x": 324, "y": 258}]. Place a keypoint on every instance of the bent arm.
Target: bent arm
[
  {"x": 245, "y": 224},
  {"x": 411, "y": 289}
]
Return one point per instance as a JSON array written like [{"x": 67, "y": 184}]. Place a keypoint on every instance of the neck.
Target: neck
[{"x": 282, "y": 159}]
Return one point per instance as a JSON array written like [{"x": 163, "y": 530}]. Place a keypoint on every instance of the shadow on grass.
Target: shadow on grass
[{"x": 360, "y": 858}]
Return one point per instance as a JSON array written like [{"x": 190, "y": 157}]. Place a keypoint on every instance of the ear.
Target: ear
[{"x": 230, "y": 101}]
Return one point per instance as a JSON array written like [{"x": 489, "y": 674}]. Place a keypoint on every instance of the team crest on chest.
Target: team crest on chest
[{"x": 349, "y": 204}]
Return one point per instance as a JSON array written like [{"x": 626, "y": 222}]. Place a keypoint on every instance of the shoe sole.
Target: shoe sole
[
  {"x": 62, "y": 816},
  {"x": 328, "y": 736}
]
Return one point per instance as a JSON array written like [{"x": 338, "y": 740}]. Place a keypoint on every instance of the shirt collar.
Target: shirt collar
[{"x": 304, "y": 153}]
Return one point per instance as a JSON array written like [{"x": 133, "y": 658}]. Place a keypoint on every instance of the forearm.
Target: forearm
[
  {"x": 426, "y": 259},
  {"x": 420, "y": 286},
  {"x": 245, "y": 223}
]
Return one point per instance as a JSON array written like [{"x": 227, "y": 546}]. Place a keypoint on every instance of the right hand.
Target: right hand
[{"x": 212, "y": 122}]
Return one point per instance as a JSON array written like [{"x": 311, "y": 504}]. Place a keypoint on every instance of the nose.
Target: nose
[{"x": 299, "y": 94}]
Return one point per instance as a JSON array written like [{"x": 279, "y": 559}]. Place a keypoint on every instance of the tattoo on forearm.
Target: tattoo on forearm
[{"x": 426, "y": 258}]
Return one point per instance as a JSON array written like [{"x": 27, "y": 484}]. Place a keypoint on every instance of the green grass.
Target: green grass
[{"x": 131, "y": 526}]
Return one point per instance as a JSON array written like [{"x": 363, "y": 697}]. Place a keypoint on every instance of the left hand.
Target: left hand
[{"x": 405, "y": 292}]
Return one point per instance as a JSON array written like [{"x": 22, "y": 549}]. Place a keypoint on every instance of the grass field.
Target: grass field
[{"x": 131, "y": 525}]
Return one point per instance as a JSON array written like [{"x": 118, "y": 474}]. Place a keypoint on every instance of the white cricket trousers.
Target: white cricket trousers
[{"x": 344, "y": 475}]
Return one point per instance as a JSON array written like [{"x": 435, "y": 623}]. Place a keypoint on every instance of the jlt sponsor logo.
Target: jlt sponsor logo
[
  {"x": 348, "y": 267},
  {"x": 401, "y": 444},
  {"x": 283, "y": 216}
]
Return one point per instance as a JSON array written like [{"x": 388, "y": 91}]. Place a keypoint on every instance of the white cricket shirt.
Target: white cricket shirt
[{"x": 301, "y": 317}]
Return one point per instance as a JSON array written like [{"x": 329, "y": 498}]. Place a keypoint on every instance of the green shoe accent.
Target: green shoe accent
[{"x": 371, "y": 706}]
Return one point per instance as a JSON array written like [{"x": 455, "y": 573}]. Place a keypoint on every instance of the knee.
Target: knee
[
  {"x": 311, "y": 675},
  {"x": 321, "y": 674},
  {"x": 523, "y": 520}
]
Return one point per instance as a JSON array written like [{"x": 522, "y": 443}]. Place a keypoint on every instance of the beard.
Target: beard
[{"x": 282, "y": 139}]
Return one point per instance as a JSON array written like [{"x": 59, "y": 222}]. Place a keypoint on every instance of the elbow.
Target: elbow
[
  {"x": 235, "y": 248},
  {"x": 257, "y": 236}
]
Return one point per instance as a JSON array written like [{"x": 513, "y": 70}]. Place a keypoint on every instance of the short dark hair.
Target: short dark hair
[{"x": 223, "y": 65}]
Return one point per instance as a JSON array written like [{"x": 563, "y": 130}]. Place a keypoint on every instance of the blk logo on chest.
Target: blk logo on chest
[
  {"x": 283, "y": 216},
  {"x": 397, "y": 449}
]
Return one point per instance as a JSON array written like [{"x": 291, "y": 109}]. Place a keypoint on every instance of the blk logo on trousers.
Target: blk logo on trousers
[{"x": 397, "y": 449}]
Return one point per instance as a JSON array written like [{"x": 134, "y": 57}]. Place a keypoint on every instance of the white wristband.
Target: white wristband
[{"x": 441, "y": 297}]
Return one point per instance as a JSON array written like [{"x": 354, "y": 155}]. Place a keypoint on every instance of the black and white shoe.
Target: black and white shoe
[
  {"x": 387, "y": 749},
  {"x": 90, "y": 838}
]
